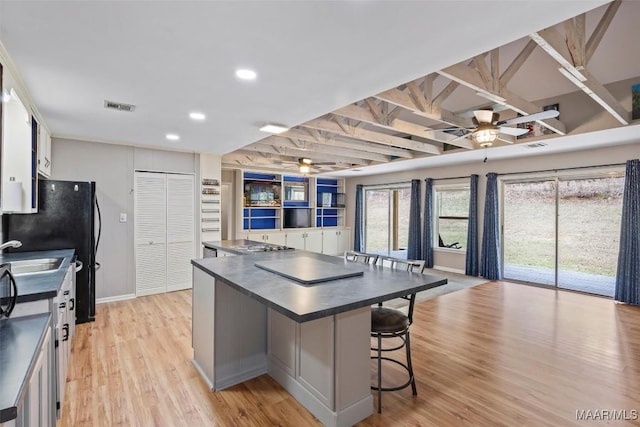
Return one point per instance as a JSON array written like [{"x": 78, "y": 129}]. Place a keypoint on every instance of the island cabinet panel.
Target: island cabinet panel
[
  {"x": 283, "y": 334},
  {"x": 316, "y": 361},
  {"x": 229, "y": 333},
  {"x": 202, "y": 330}
]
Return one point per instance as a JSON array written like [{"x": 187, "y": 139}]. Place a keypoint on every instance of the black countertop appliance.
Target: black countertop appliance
[{"x": 68, "y": 218}]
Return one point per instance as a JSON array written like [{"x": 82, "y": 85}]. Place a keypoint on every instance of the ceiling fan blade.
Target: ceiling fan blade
[
  {"x": 323, "y": 163},
  {"x": 542, "y": 115},
  {"x": 513, "y": 131}
]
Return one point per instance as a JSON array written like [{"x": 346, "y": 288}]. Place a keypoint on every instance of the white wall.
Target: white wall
[
  {"x": 618, "y": 154},
  {"x": 112, "y": 168}
]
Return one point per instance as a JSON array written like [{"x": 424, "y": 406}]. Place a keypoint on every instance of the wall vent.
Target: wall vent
[
  {"x": 119, "y": 106},
  {"x": 536, "y": 145}
]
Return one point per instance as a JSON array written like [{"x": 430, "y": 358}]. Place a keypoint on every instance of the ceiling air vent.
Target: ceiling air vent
[
  {"x": 119, "y": 106},
  {"x": 536, "y": 145}
]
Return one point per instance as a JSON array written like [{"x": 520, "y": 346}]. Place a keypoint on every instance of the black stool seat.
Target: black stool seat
[{"x": 388, "y": 320}]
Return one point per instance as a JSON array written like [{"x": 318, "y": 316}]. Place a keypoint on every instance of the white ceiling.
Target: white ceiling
[{"x": 172, "y": 57}]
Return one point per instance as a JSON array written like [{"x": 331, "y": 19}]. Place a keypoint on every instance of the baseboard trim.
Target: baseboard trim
[
  {"x": 115, "y": 298},
  {"x": 448, "y": 269}
]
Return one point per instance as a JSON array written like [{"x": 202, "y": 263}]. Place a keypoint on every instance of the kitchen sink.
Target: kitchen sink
[{"x": 40, "y": 265}]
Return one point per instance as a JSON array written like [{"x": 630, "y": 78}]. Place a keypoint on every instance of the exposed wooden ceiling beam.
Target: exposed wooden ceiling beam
[
  {"x": 600, "y": 30},
  {"x": 278, "y": 141},
  {"x": 470, "y": 77},
  {"x": 313, "y": 135},
  {"x": 371, "y": 136},
  {"x": 556, "y": 46},
  {"x": 402, "y": 99},
  {"x": 402, "y": 126},
  {"x": 445, "y": 93},
  {"x": 293, "y": 151},
  {"x": 575, "y": 33},
  {"x": 518, "y": 61}
]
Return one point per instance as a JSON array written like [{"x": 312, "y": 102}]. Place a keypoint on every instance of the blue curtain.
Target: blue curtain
[
  {"x": 358, "y": 226},
  {"x": 490, "y": 260},
  {"x": 628, "y": 274},
  {"x": 471, "y": 265},
  {"x": 414, "y": 251},
  {"x": 427, "y": 229}
]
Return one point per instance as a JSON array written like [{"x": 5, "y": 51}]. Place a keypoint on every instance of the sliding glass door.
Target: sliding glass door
[
  {"x": 530, "y": 231},
  {"x": 563, "y": 232},
  {"x": 387, "y": 220},
  {"x": 589, "y": 213}
]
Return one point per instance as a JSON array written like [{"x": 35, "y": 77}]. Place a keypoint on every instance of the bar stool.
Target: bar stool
[{"x": 388, "y": 322}]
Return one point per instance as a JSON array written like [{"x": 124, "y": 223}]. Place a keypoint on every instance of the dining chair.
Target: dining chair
[
  {"x": 361, "y": 257},
  {"x": 387, "y": 322}
]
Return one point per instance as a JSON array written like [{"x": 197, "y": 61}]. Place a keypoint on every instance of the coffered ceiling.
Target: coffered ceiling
[{"x": 364, "y": 84}]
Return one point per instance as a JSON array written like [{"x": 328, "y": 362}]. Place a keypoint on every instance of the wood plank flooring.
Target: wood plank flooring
[{"x": 498, "y": 354}]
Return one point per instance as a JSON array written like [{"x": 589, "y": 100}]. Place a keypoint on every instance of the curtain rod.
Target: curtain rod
[{"x": 562, "y": 169}]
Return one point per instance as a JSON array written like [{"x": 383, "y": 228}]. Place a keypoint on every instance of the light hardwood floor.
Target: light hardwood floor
[{"x": 496, "y": 354}]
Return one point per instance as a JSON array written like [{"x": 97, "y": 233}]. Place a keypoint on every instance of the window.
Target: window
[
  {"x": 451, "y": 210},
  {"x": 387, "y": 220}
]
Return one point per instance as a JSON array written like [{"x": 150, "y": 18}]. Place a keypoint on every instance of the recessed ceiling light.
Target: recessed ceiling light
[
  {"x": 197, "y": 116},
  {"x": 172, "y": 137},
  {"x": 273, "y": 128},
  {"x": 246, "y": 74}
]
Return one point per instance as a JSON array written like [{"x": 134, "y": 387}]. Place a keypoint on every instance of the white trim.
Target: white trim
[
  {"x": 115, "y": 298},
  {"x": 449, "y": 250},
  {"x": 448, "y": 269}
]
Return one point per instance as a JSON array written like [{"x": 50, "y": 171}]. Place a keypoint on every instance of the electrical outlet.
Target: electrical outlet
[{"x": 123, "y": 217}]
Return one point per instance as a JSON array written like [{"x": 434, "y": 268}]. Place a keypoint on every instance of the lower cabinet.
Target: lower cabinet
[
  {"x": 38, "y": 406},
  {"x": 335, "y": 242},
  {"x": 275, "y": 238},
  {"x": 57, "y": 350},
  {"x": 309, "y": 240}
]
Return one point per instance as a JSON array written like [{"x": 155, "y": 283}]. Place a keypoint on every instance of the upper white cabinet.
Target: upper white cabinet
[
  {"x": 44, "y": 152},
  {"x": 19, "y": 151}
]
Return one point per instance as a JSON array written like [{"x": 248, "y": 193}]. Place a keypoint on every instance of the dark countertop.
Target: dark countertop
[
  {"x": 303, "y": 303},
  {"x": 20, "y": 343},
  {"x": 37, "y": 286}
]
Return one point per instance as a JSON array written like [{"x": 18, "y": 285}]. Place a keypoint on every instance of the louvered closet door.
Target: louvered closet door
[
  {"x": 180, "y": 234},
  {"x": 150, "y": 233}
]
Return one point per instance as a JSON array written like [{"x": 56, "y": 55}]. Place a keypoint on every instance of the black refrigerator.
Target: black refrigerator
[{"x": 68, "y": 218}]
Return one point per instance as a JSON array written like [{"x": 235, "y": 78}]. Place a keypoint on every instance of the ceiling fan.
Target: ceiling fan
[
  {"x": 489, "y": 125},
  {"x": 305, "y": 164}
]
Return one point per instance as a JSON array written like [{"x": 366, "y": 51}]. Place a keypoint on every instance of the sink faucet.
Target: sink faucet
[{"x": 10, "y": 244}]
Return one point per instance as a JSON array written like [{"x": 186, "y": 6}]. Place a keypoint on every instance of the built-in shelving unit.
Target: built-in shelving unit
[
  {"x": 330, "y": 203},
  {"x": 210, "y": 225},
  {"x": 261, "y": 201}
]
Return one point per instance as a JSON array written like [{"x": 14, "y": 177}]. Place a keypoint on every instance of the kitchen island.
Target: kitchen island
[{"x": 312, "y": 338}]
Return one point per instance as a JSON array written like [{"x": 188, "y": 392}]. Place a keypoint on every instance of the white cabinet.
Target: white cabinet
[
  {"x": 19, "y": 178},
  {"x": 164, "y": 231},
  {"x": 37, "y": 406},
  {"x": 335, "y": 241},
  {"x": 44, "y": 152},
  {"x": 309, "y": 240},
  {"x": 273, "y": 238}
]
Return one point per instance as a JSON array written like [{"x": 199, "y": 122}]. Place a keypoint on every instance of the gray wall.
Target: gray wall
[
  {"x": 618, "y": 154},
  {"x": 112, "y": 168}
]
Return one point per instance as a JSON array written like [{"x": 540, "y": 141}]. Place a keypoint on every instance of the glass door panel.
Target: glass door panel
[
  {"x": 377, "y": 223},
  {"x": 589, "y": 214},
  {"x": 529, "y": 231}
]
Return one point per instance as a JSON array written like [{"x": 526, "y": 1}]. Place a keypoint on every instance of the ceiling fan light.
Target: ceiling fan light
[
  {"x": 304, "y": 168},
  {"x": 485, "y": 137}
]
